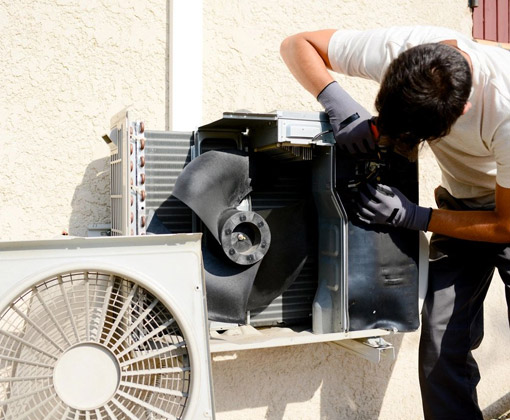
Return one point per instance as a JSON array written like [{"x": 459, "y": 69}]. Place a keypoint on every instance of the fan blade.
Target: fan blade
[
  {"x": 228, "y": 285},
  {"x": 227, "y": 288},
  {"x": 212, "y": 185}
]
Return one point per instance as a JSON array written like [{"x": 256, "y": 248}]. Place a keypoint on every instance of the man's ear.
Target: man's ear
[
  {"x": 451, "y": 42},
  {"x": 467, "y": 107}
]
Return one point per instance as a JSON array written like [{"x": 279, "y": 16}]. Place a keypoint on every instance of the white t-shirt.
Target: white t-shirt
[{"x": 476, "y": 153}]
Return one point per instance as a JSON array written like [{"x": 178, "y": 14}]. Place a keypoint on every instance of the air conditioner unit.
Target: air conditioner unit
[
  {"x": 321, "y": 268},
  {"x": 104, "y": 328}
]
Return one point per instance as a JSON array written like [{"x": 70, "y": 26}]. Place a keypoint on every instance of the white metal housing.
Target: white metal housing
[{"x": 104, "y": 328}]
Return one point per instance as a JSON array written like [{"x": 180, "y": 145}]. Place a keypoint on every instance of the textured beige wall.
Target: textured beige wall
[{"x": 70, "y": 64}]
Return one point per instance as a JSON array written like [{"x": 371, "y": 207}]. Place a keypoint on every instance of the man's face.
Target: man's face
[{"x": 399, "y": 146}]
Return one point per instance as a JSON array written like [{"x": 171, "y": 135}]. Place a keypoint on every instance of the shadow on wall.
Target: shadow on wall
[
  {"x": 350, "y": 387},
  {"x": 91, "y": 198}
]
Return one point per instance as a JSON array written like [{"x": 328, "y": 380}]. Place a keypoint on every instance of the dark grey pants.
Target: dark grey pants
[{"x": 460, "y": 273}]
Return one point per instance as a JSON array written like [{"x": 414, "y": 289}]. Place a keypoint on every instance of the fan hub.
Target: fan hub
[{"x": 86, "y": 376}]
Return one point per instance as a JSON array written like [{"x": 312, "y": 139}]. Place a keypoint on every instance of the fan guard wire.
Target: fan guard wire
[{"x": 115, "y": 314}]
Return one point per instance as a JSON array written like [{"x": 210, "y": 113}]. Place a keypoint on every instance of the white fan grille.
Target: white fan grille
[{"x": 120, "y": 318}]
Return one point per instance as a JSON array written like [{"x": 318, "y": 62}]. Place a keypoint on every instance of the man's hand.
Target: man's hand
[
  {"x": 388, "y": 206},
  {"x": 350, "y": 121}
]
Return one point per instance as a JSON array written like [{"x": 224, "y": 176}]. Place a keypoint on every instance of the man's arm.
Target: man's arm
[
  {"x": 388, "y": 206},
  {"x": 306, "y": 56},
  {"x": 486, "y": 226}
]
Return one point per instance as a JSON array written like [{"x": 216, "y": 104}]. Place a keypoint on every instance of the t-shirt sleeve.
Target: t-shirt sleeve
[
  {"x": 368, "y": 54},
  {"x": 364, "y": 54}
]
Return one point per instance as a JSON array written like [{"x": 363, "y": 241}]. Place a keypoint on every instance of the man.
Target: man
[{"x": 441, "y": 87}]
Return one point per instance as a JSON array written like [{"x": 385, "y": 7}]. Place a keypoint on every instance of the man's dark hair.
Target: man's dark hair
[{"x": 422, "y": 94}]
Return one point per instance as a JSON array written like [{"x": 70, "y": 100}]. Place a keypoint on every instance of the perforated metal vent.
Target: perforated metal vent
[{"x": 92, "y": 345}]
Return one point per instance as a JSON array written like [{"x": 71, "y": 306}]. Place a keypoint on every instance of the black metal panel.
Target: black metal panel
[{"x": 382, "y": 261}]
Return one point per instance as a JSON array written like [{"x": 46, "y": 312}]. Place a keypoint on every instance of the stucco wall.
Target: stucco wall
[{"x": 69, "y": 65}]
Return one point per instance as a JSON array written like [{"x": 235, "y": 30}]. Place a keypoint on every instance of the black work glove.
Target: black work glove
[
  {"x": 388, "y": 206},
  {"x": 350, "y": 121}
]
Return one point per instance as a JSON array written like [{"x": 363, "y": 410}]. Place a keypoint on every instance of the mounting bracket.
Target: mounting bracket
[{"x": 371, "y": 348}]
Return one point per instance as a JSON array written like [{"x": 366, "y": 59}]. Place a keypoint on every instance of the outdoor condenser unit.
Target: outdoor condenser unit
[{"x": 275, "y": 202}]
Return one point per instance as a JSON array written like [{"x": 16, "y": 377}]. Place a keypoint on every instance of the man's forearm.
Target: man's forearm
[
  {"x": 306, "y": 57},
  {"x": 483, "y": 226}
]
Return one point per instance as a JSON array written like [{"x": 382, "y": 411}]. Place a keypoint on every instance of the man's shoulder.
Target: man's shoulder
[{"x": 493, "y": 63}]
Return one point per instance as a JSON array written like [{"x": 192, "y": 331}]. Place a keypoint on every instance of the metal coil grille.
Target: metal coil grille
[
  {"x": 117, "y": 193},
  {"x": 167, "y": 154},
  {"x": 56, "y": 336},
  {"x": 294, "y": 306},
  {"x": 290, "y": 184}
]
